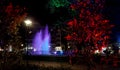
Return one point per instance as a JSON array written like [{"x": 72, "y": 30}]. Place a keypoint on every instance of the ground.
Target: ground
[{"x": 73, "y": 67}]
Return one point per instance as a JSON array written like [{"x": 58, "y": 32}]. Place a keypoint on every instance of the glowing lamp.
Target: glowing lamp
[{"x": 28, "y": 22}]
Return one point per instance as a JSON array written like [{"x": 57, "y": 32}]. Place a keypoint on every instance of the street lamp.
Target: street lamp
[{"x": 28, "y": 23}]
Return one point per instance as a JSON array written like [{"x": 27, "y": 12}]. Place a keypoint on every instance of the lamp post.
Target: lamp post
[{"x": 28, "y": 23}]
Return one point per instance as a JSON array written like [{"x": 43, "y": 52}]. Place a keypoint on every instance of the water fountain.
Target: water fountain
[
  {"x": 41, "y": 42},
  {"x": 42, "y": 50}
]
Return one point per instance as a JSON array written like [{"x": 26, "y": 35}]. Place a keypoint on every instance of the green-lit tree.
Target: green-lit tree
[{"x": 54, "y": 4}]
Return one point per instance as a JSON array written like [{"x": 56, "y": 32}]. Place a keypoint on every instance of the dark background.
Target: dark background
[{"x": 38, "y": 9}]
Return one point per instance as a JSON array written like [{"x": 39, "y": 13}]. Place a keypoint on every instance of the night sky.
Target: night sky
[
  {"x": 38, "y": 10},
  {"x": 112, "y": 11}
]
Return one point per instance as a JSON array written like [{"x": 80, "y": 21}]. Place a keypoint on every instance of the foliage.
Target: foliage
[
  {"x": 11, "y": 17},
  {"x": 53, "y": 4},
  {"x": 89, "y": 27}
]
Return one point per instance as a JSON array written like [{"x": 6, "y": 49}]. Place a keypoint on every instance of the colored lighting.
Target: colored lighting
[{"x": 41, "y": 42}]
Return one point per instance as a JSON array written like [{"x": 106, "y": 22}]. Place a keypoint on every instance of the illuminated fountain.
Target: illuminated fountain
[
  {"x": 41, "y": 49},
  {"x": 41, "y": 42}
]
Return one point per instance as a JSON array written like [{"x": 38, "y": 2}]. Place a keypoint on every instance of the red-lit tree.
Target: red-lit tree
[
  {"x": 11, "y": 17},
  {"x": 89, "y": 28}
]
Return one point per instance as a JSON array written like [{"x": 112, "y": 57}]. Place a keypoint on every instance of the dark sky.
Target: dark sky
[
  {"x": 37, "y": 9},
  {"x": 112, "y": 9},
  {"x": 113, "y": 12}
]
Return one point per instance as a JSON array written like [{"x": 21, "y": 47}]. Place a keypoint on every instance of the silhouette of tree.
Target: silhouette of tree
[{"x": 11, "y": 17}]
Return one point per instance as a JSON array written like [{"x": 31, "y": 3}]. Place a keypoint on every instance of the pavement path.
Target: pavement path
[
  {"x": 56, "y": 64},
  {"x": 73, "y": 67}
]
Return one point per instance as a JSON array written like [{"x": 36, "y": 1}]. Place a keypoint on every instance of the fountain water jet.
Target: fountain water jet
[{"x": 41, "y": 42}]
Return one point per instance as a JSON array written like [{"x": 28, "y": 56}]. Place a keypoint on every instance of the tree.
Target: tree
[
  {"x": 89, "y": 28},
  {"x": 53, "y": 4},
  {"x": 59, "y": 19},
  {"x": 11, "y": 17}
]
